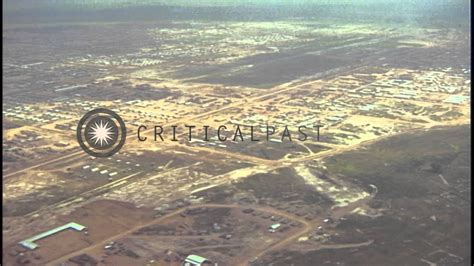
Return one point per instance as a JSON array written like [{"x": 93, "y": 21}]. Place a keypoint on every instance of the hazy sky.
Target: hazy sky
[
  {"x": 65, "y": 9},
  {"x": 109, "y": 3}
]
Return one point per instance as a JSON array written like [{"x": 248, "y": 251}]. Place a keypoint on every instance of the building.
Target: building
[
  {"x": 273, "y": 228},
  {"x": 29, "y": 243},
  {"x": 195, "y": 260},
  {"x": 456, "y": 99}
]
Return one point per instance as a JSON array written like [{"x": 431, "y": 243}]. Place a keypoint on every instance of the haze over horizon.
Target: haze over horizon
[{"x": 404, "y": 11}]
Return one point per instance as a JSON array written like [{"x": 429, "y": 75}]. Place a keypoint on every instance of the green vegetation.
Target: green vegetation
[{"x": 403, "y": 166}]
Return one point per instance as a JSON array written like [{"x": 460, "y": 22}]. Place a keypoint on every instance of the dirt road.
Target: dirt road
[{"x": 306, "y": 226}]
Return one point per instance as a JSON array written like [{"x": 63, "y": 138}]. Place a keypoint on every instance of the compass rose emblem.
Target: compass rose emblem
[{"x": 101, "y": 132}]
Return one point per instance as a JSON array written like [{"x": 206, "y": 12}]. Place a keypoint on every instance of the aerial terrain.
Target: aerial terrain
[{"x": 386, "y": 183}]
